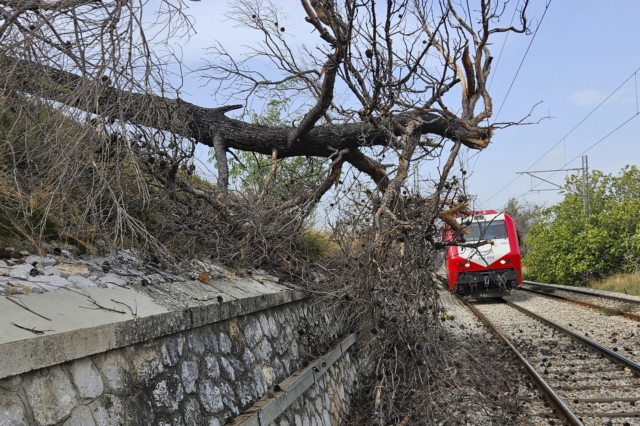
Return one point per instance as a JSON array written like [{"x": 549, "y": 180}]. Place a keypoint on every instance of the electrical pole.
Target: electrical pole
[
  {"x": 585, "y": 185},
  {"x": 585, "y": 182}
]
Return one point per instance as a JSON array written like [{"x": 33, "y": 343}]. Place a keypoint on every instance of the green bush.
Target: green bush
[{"x": 568, "y": 247}]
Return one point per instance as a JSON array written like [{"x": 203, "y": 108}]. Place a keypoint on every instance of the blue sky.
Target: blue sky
[{"x": 582, "y": 52}]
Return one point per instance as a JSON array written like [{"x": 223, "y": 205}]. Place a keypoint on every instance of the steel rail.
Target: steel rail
[
  {"x": 544, "y": 387},
  {"x": 580, "y": 302},
  {"x": 603, "y": 350},
  {"x": 589, "y": 293}
]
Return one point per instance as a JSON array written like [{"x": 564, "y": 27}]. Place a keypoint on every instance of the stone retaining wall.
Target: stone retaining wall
[{"x": 207, "y": 374}]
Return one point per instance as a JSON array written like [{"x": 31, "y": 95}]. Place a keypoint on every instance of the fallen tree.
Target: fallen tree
[{"x": 97, "y": 143}]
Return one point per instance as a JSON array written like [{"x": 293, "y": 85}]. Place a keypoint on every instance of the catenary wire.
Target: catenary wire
[
  {"x": 523, "y": 58},
  {"x": 571, "y": 131}
]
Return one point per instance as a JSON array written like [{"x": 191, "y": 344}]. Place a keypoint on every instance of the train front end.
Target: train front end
[{"x": 490, "y": 269}]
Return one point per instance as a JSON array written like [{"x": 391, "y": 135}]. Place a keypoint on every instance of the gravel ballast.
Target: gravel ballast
[{"x": 574, "y": 371}]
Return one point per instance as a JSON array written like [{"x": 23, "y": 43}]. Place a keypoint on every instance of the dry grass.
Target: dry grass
[{"x": 620, "y": 283}]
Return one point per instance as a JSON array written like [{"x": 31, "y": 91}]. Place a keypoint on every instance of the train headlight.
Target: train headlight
[
  {"x": 465, "y": 265},
  {"x": 505, "y": 261}
]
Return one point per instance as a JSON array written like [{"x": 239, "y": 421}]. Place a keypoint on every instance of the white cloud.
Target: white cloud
[
  {"x": 592, "y": 97},
  {"x": 586, "y": 97}
]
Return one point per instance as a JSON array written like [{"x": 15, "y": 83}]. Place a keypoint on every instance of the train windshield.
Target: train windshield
[{"x": 492, "y": 230}]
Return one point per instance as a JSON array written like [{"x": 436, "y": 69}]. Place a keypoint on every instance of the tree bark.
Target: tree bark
[{"x": 203, "y": 124}]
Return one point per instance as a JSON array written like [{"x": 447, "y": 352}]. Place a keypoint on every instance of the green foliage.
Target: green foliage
[
  {"x": 314, "y": 244},
  {"x": 249, "y": 171},
  {"x": 525, "y": 215},
  {"x": 566, "y": 247}
]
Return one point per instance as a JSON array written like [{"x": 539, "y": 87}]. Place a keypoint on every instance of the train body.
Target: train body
[{"x": 491, "y": 269}]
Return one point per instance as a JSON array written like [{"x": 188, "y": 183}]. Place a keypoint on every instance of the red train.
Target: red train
[{"x": 492, "y": 269}]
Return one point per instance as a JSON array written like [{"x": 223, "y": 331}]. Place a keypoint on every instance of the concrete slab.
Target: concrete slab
[{"x": 78, "y": 328}]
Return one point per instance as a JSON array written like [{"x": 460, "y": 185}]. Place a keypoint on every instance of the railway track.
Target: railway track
[
  {"x": 619, "y": 306},
  {"x": 585, "y": 382},
  {"x": 587, "y": 293}
]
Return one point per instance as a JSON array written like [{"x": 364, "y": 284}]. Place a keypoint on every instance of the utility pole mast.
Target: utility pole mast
[
  {"x": 585, "y": 185},
  {"x": 585, "y": 182}
]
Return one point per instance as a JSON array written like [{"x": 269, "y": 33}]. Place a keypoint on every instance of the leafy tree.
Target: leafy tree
[
  {"x": 568, "y": 247},
  {"x": 525, "y": 214},
  {"x": 256, "y": 173}
]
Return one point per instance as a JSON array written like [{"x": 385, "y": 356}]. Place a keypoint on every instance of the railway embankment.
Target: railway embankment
[{"x": 107, "y": 342}]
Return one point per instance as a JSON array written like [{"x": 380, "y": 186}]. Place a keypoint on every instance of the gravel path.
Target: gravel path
[{"x": 574, "y": 371}]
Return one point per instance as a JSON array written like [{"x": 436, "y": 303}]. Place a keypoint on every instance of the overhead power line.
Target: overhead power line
[
  {"x": 522, "y": 61},
  {"x": 633, "y": 75}
]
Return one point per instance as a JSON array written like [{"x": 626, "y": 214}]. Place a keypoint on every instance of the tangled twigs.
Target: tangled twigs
[{"x": 99, "y": 306}]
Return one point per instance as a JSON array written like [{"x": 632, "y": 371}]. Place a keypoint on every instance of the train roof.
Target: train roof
[{"x": 472, "y": 213}]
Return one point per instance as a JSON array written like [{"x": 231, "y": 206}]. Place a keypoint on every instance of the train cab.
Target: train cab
[{"x": 486, "y": 262}]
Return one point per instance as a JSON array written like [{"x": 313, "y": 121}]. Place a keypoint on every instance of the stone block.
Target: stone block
[
  {"x": 189, "y": 373},
  {"x": 20, "y": 271},
  {"x": 80, "y": 416},
  {"x": 145, "y": 363},
  {"x": 263, "y": 352},
  {"x": 81, "y": 282},
  {"x": 224, "y": 343},
  {"x": 11, "y": 383},
  {"x": 114, "y": 370},
  {"x": 172, "y": 350},
  {"x": 278, "y": 369},
  {"x": 237, "y": 365},
  {"x": 264, "y": 324},
  {"x": 86, "y": 378},
  {"x": 50, "y": 395},
  {"x": 234, "y": 331},
  {"x": 12, "y": 412},
  {"x": 68, "y": 269},
  {"x": 269, "y": 376},
  {"x": 50, "y": 282},
  {"x": 326, "y": 418},
  {"x": 108, "y": 411},
  {"x": 273, "y": 326},
  {"x": 246, "y": 393},
  {"x": 167, "y": 394},
  {"x": 252, "y": 332},
  {"x": 248, "y": 359},
  {"x": 260, "y": 382},
  {"x": 213, "y": 368},
  {"x": 210, "y": 397},
  {"x": 213, "y": 422},
  {"x": 227, "y": 370},
  {"x": 229, "y": 398},
  {"x": 195, "y": 342},
  {"x": 138, "y": 409},
  {"x": 192, "y": 415}
]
